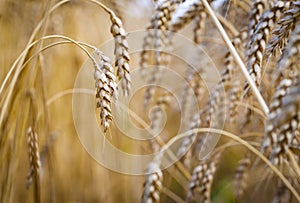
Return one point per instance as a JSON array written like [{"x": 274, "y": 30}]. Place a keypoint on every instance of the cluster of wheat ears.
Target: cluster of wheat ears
[{"x": 258, "y": 91}]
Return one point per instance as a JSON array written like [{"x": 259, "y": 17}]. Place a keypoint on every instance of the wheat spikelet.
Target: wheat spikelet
[
  {"x": 153, "y": 184},
  {"x": 34, "y": 161},
  {"x": 234, "y": 96},
  {"x": 229, "y": 71},
  {"x": 202, "y": 179},
  {"x": 260, "y": 39},
  {"x": 241, "y": 176},
  {"x": 287, "y": 24},
  {"x": 195, "y": 182},
  {"x": 199, "y": 25},
  {"x": 156, "y": 117},
  {"x": 106, "y": 87},
  {"x": 156, "y": 35},
  {"x": 193, "y": 89},
  {"x": 258, "y": 7},
  {"x": 188, "y": 141},
  {"x": 105, "y": 65},
  {"x": 215, "y": 106},
  {"x": 207, "y": 181},
  {"x": 282, "y": 194},
  {"x": 185, "y": 13},
  {"x": 229, "y": 63},
  {"x": 121, "y": 53},
  {"x": 197, "y": 84}
]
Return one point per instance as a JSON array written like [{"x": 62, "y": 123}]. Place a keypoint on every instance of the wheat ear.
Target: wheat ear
[
  {"x": 241, "y": 176},
  {"x": 283, "y": 120},
  {"x": 260, "y": 37},
  {"x": 282, "y": 195},
  {"x": 257, "y": 8},
  {"x": 34, "y": 162},
  {"x": 158, "y": 34},
  {"x": 106, "y": 87},
  {"x": 202, "y": 179},
  {"x": 185, "y": 13},
  {"x": 156, "y": 118},
  {"x": 122, "y": 54},
  {"x": 153, "y": 184},
  {"x": 287, "y": 23}
]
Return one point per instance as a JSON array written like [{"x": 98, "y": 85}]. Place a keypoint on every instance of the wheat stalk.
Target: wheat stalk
[{"x": 237, "y": 57}]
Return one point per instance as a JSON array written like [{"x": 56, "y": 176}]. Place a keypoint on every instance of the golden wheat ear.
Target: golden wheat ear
[
  {"x": 255, "y": 56},
  {"x": 34, "y": 161},
  {"x": 288, "y": 22},
  {"x": 153, "y": 184},
  {"x": 106, "y": 87},
  {"x": 122, "y": 54},
  {"x": 202, "y": 179}
]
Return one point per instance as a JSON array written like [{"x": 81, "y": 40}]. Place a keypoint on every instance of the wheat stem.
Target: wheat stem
[{"x": 172, "y": 195}]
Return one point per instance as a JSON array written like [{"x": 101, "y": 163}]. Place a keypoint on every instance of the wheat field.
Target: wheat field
[{"x": 150, "y": 101}]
